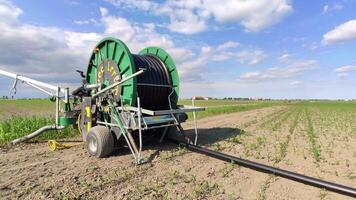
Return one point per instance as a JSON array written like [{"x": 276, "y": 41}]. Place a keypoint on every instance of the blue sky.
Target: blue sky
[{"x": 256, "y": 48}]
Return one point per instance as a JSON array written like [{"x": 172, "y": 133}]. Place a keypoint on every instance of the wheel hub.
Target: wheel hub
[{"x": 93, "y": 145}]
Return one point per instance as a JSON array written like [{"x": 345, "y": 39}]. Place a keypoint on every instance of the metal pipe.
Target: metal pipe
[
  {"x": 66, "y": 95},
  {"x": 139, "y": 126},
  {"x": 195, "y": 123},
  {"x": 341, "y": 189},
  {"x": 29, "y": 80},
  {"x": 117, "y": 83},
  {"x": 57, "y": 106},
  {"x": 92, "y": 86},
  {"x": 122, "y": 129},
  {"x": 36, "y": 133},
  {"x": 39, "y": 88}
]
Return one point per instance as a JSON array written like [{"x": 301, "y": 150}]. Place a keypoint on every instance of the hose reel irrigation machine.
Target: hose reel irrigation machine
[{"x": 124, "y": 96}]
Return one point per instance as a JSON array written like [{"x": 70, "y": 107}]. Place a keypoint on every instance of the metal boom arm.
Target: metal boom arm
[
  {"x": 40, "y": 85},
  {"x": 32, "y": 81}
]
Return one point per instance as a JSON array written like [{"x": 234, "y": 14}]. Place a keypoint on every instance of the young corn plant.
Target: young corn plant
[
  {"x": 312, "y": 137},
  {"x": 16, "y": 127},
  {"x": 283, "y": 145},
  {"x": 284, "y": 118}
]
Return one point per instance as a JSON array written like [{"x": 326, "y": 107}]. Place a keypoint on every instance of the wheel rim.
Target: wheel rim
[{"x": 93, "y": 145}]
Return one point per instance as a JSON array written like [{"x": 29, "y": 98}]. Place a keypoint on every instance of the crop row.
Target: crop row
[{"x": 19, "y": 126}]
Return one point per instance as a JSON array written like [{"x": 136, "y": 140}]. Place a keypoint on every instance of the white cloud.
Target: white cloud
[
  {"x": 9, "y": 12},
  {"x": 42, "y": 52},
  {"x": 337, "y": 6},
  {"x": 284, "y": 58},
  {"x": 140, "y": 4},
  {"x": 295, "y": 83},
  {"x": 325, "y": 9},
  {"x": 250, "y": 75},
  {"x": 341, "y": 33},
  {"x": 345, "y": 69},
  {"x": 190, "y": 17},
  {"x": 86, "y": 22},
  {"x": 293, "y": 69},
  {"x": 192, "y": 69},
  {"x": 328, "y": 8},
  {"x": 103, "y": 11},
  {"x": 73, "y": 3},
  {"x": 254, "y": 15},
  {"x": 227, "y": 45},
  {"x": 46, "y": 53},
  {"x": 118, "y": 26},
  {"x": 135, "y": 35},
  {"x": 342, "y": 75},
  {"x": 180, "y": 54},
  {"x": 185, "y": 21},
  {"x": 221, "y": 56},
  {"x": 251, "y": 57}
]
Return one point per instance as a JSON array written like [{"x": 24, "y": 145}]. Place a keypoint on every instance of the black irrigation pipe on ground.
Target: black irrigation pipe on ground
[{"x": 337, "y": 188}]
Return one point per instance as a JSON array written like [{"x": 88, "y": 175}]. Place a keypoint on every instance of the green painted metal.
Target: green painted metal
[
  {"x": 171, "y": 69},
  {"x": 63, "y": 121},
  {"x": 114, "y": 49}
]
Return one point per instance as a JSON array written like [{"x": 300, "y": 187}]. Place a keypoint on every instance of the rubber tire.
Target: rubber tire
[{"x": 104, "y": 141}]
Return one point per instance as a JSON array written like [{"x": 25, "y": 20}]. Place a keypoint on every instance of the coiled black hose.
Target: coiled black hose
[{"x": 154, "y": 85}]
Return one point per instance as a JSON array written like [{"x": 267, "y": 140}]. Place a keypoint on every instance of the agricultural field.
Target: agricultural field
[
  {"x": 25, "y": 107},
  {"x": 22, "y": 116},
  {"x": 317, "y": 139}
]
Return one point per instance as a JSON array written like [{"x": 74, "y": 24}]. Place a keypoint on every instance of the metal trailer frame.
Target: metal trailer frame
[
  {"x": 127, "y": 119},
  {"x": 134, "y": 120}
]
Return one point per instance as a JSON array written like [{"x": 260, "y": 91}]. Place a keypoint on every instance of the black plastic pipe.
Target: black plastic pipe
[{"x": 341, "y": 189}]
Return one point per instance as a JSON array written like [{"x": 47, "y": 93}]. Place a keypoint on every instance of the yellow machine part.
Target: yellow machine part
[
  {"x": 54, "y": 145},
  {"x": 88, "y": 112}
]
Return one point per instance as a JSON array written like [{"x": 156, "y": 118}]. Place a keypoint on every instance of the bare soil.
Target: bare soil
[{"x": 31, "y": 171}]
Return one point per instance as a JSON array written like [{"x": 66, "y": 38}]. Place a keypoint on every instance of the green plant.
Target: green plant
[
  {"x": 227, "y": 169},
  {"x": 262, "y": 192},
  {"x": 165, "y": 155},
  {"x": 312, "y": 137},
  {"x": 16, "y": 127},
  {"x": 204, "y": 188},
  {"x": 283, "y": 145},
  {"x": 279, "y": 123}
]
